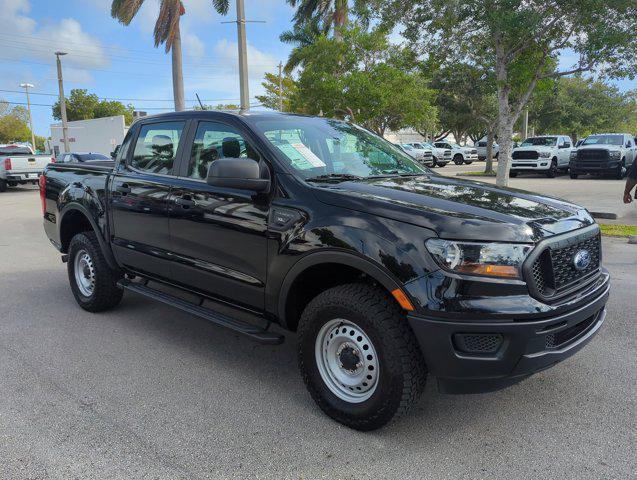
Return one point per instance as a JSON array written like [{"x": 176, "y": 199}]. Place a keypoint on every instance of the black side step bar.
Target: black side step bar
[{"x": 254, "y": 332}]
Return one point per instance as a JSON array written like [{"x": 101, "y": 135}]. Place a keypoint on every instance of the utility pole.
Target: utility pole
[
  {"x": 525, "y": 124},
  {"x": 26, "y": 87},
  {"x": 243, "y": 57},
  {"x": 280, "y": 86},
  {"x": 65, "y": 127}
]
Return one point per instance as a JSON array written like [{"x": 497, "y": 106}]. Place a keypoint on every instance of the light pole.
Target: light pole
[
  {"x": 26, "y": 87},
  {"x": 243, "y": 57},
  {"x": 65, "y": 127}
]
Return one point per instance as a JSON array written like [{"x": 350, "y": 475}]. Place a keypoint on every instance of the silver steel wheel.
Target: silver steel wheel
[
  {"x": 347, "y": 360},
  {"x": 84, "y": 273}
]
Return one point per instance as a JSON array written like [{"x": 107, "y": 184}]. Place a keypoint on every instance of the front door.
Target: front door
[
  {"x": 218, "y": 234},
  {"x": 139, "y": 197}
]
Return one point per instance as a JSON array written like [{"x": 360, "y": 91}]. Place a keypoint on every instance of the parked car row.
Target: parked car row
[{"x": 19, "y": 164}]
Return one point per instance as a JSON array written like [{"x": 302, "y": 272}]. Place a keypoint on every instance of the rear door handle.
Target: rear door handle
[
  {"x": 185, "y": 202},
  {"x": 124, "y": 188}
]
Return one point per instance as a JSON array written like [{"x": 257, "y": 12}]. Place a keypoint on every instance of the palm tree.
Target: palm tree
[
  {"x": 302, "y": 35},
  {"x": 333, "y": 13},
  {"x": 166, "y": 32}
]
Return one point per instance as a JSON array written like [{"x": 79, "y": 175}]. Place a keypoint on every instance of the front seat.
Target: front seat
[{"x": 231, "y": 148}]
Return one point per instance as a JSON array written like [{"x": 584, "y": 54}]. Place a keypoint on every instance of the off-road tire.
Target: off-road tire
[
  {"x": 106, "y": 294},
  {"x": 3, "y": 185},
  {"x": 402, "y": 370},
  {"x": 552, "y": 171},
  {"x": 621, "y": 170}
]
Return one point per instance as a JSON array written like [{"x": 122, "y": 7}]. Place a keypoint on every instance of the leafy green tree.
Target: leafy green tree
[
  {"x": 14, "y": 124},
  {"x": 522, "y": 39},
  {"x": 333, "y": 14},
  {"x": 81, "y": 105},
  {"x": 365, "y": 79},
  {"x": 579, "y": 107},
  {"x": 302, "y": 35},
  {"x": 271, "y": 97}
]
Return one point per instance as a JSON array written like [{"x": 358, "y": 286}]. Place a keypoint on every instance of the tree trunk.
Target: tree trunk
[
  {"x": 489, "y": 160},
  {"x": 340, "y": 18},
  {"x": 178, "y": 78},
  {"x": 505, "y": 136}
]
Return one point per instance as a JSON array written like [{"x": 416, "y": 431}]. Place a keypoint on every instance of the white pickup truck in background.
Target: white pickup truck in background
[
  {"x": 20, "y": 165},
  {"x": 545, "y": 154}
]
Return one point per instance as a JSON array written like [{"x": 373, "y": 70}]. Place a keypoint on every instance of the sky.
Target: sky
[{"x": 120, "y": 62}]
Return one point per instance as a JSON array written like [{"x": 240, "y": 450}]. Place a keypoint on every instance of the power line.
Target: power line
[{"x": 129, "y": 99}]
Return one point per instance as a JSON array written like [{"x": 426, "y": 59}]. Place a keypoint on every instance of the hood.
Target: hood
[{"x": 458, "y": 209}]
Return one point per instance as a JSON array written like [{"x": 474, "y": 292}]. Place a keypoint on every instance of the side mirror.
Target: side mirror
[{"x": 240, "y": 173}]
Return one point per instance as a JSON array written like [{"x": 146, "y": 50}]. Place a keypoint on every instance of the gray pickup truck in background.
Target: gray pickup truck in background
[
  {"x": 604, "y": 154},
  {"x": 20, "y": 165}
]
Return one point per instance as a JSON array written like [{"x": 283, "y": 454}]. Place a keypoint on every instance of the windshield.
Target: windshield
[
  {"x": 408, "y": 147},
  {"x": 318, "y": 147},
  {"x": 540, "y": 142},
  {"x": 15, "y": 150},
  {"x": 604, "y": 140}
]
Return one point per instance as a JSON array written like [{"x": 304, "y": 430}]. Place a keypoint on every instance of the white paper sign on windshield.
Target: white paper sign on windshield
[{"x": 308, "y": 155}]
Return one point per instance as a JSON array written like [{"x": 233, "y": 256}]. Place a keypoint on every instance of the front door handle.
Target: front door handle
[
  {"x": 185, "y": 201},
  {"x": 123, "y": 188}
]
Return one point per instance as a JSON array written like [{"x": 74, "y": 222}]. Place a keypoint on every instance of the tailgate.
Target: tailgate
[{"x": 28, "y": 163}]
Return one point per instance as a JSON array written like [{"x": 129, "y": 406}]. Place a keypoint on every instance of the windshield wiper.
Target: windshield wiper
[{"x": 334, "y": 177}]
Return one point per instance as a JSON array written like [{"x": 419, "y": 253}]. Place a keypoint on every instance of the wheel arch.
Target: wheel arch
[
  {"x": 76, "y": 218},
  {"x": 342, "y": 267}
]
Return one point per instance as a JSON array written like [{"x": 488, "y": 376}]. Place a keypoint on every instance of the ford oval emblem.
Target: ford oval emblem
[{"x": 582, "y": 259}]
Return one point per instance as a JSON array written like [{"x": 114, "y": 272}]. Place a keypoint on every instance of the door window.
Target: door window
[
  {"x": 215, "y": 140},
  {"x": 156, "y": 147}
]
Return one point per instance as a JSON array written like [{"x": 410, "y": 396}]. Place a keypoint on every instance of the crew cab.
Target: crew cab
[
  {"x": 387, "y": 271},
  {"x": 441, "y": 156},
  {"x": 481, "y": 149},
  {"x": 459, "y": 154},
  {"x": 422, "y": 155},
  {"x": 19, "y": 165},
  {"x": 604, "y": 154},
  {"x": 545, "y": 154}
]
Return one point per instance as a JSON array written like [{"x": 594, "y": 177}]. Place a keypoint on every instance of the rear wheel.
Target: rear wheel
[
  {"x": 358, "y": 357},
  {"x": 93, "y": 282},
  {"x": 3, "y": 185},
  {"x": 435, "y": 163},
  {"x": 457, "y": 159}
]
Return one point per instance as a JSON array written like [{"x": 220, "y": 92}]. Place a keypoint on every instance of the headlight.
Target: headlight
[
  {"x": 614, "y": 154},
  {"x": 574, "y": 154},
  {"x": 489, "y": 259},
  {"x": 545, "y": 154}
]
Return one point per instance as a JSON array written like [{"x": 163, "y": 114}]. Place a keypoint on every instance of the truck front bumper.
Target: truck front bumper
[
  {"x": 476, "y": 356},
  {"x": 531, "y": 166}
]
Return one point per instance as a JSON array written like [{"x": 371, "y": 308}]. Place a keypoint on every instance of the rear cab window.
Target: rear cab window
[{"x": 156, "y": 147}]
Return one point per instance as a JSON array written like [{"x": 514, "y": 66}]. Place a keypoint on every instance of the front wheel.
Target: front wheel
[
  {"x": 621, "y": 170},
  {"x": 3, "y": 185},
  {"x": 93, "y": 282},
  {"x": 358, "y": 357},
  {"x": 552, "y": 171},
  {"x": 435, "y": 163},
  {"x": 457, "y": 159},
  {"x": 513, "y": 174},
  {"x": 573, "y": 175}
]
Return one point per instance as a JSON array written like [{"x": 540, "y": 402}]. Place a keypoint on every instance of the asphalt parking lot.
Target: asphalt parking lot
[
  {"x": 147, "y": 392},
  {"x": 597, "y": 194}
]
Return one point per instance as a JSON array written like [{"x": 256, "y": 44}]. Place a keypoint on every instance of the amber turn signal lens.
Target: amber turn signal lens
[
  {"x": 490, "y": 270},
  {"x": 402, "y": 300}
]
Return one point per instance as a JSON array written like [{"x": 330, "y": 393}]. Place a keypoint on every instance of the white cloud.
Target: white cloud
[
  {"x": 192, "y": 46},
  {"x": 26, "y": 40}
]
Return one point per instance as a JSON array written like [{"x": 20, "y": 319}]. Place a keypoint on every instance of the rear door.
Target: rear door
[
  {"x": 139, "y": 192},
  {"x": 219, "y": 235}
]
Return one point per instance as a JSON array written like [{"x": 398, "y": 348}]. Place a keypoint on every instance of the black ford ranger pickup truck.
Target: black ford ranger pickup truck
[{"x": 386, "y": 271}]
